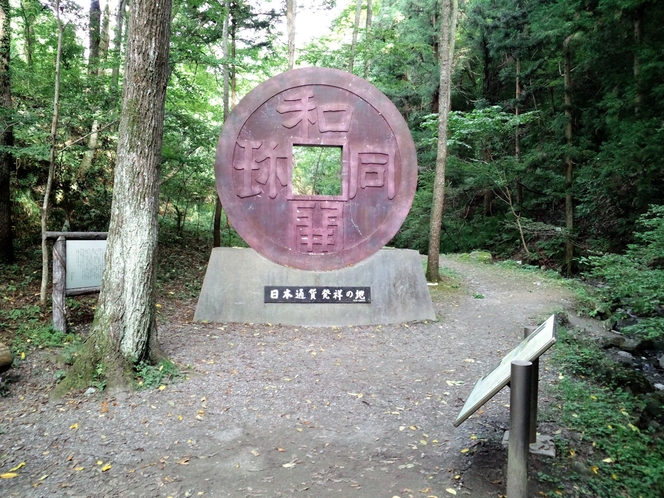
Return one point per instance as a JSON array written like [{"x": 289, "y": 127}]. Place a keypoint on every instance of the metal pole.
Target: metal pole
[
  {"x": 534, "y": 388},
  {"x": 517, "y": 452}
]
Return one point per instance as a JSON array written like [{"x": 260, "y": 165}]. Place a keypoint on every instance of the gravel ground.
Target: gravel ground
[{"x": 272, "y": 411}]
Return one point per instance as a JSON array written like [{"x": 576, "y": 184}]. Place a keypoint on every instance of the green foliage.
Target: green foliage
[
  {"x": 99, "y": 377},
  {"x": 632, "y": 284},
  {"x": 316, "y": 170},
  {"x": 37, "y": 335},
  {"x": 613, "y": 431},
  {"x": 152, "y": 376}
]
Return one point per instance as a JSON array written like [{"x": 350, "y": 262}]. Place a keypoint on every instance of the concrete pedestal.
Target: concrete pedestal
[{"x": 233, "y": 290}]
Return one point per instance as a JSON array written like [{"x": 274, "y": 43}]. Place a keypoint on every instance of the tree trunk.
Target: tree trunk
[
  {"x": 95, "y": 35},
  {"x": 46, "y": 205},
  {"x": 367, "y": 37},
  {"x": 569, "y": 163},
  {"x": 291, "y": 13},
  {"x": 105, "y": 39},
  {"x": 638, "y": 42},
  {"x": 356, "y": 29},
  {"x": 88, "y": 155},
  {"x": 28, "y": 30},
  {"x": 124, "y": 331},
  {"x": 225, "y": 53},
  {"x": 6, "y": 137},
  {"x": 517, "y": 131},
  {"x": 216, "y": 236},
  {"x": 446, "y": 51},
  {"x": 117, "y": 46},
  {"x": 216, "y": 227}
]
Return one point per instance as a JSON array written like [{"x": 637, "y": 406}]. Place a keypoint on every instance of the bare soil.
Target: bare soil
[{"x": 269, "y": 411}]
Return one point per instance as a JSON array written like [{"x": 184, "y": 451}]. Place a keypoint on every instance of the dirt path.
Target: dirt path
[{"x": 273, "y": 411}]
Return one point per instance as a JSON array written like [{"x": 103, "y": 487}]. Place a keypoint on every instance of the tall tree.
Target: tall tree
[
  {"x": 46, "y": 204},
  {"x": 95, "y": 34},
  {"x": 367, "y": 36},
  {"x": 291, "y": 14},
  {"x": 6, "y": 136},
  {"x": 124, "y": 331},
  {"x": 216, "y": 230},
  {"x": 356, "y": 30},
  {"x": 448, "y": 21},
  {"x": 117, "y": 44}
]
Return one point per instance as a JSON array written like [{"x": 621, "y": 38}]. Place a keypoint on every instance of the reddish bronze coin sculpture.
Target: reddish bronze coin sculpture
[{"x": 316, "y": 169}]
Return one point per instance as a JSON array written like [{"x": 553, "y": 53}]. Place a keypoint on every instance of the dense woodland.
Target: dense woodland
[{"x": 555, "y": 131}]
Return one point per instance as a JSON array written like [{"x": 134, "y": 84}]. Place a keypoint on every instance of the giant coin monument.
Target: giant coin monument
[{"x": 316, "y": 170}]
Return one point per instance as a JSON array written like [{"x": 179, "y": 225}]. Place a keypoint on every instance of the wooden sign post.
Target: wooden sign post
[{"x": 86, "y": 266}]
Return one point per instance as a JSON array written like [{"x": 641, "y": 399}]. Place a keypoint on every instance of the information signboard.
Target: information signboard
[
  {"x": 531, "y": 348},
  {"x": 85, "y": 263}
]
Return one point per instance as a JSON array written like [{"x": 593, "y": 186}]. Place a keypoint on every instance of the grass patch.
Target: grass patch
[
  {"x": 153, "y": 376},
  {"x": 614, "y": 446}
]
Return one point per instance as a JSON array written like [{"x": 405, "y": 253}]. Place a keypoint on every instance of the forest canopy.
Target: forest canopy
[{"x": 555, "y": 134}]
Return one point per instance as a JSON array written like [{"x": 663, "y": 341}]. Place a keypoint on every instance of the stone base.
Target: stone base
[
  {"x": 233, "y": 290},
  {"x": 543, "y": 446}
]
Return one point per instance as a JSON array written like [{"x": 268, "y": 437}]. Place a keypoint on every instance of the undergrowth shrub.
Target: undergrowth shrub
[
  {"x": 631, "y": 285},
  {"x": 617, "y": 433}
]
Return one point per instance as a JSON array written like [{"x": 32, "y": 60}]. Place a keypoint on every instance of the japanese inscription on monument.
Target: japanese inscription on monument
[{"x": 316, "y": 108}]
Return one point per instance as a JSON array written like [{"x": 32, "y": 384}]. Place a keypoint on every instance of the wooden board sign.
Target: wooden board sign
[{"x": 529, "y": 349}]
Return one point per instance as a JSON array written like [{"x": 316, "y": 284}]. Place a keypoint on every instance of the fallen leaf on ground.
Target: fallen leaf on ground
[
  {"x": 451, "y": 491},
  {"x": 106, "y": 467},
  {"x": 8, "y": 475},
  {"x": 74, "y": 426},
  {"x": 22, "y": 464}
]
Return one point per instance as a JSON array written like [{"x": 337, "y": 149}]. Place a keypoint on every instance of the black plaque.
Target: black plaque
[{"x": 293, "y": 294}]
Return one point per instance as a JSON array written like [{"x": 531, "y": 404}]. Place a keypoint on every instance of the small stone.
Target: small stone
[
  {"x": 581, "y": 468},
  {"x": 90, "y": 391},
  {"x": 625, "y": 354},
  {"x": 659, "y": 387}
]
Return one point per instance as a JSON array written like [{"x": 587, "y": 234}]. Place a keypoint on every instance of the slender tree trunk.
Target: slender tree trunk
[
  {"x": 225, "y": 53},
  {"x": 28, "y": 30},
  {"x": 216, "y": 227},
  {"x": 105, "y": 39},
  {"x": 446, "y": 50},
  {"x": 6, "y": 137},
  {"x": 291, "y": 13},
  {"x": 638, "y": 41},
  {"x": 88, "y": 155},
  {"x": 216, "y": 236},
  {"x": 46, "y": 205},
  {"x": 367, "y": 37},
  {"x": 517, "y": 131},
  {"x": 356, "y": 29},
  {"x": 95, "y": 35},
  {"x": 117, "y": 46},
  {"x": 124, "y": 331},
  {"x": 569, "y": 163}
]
